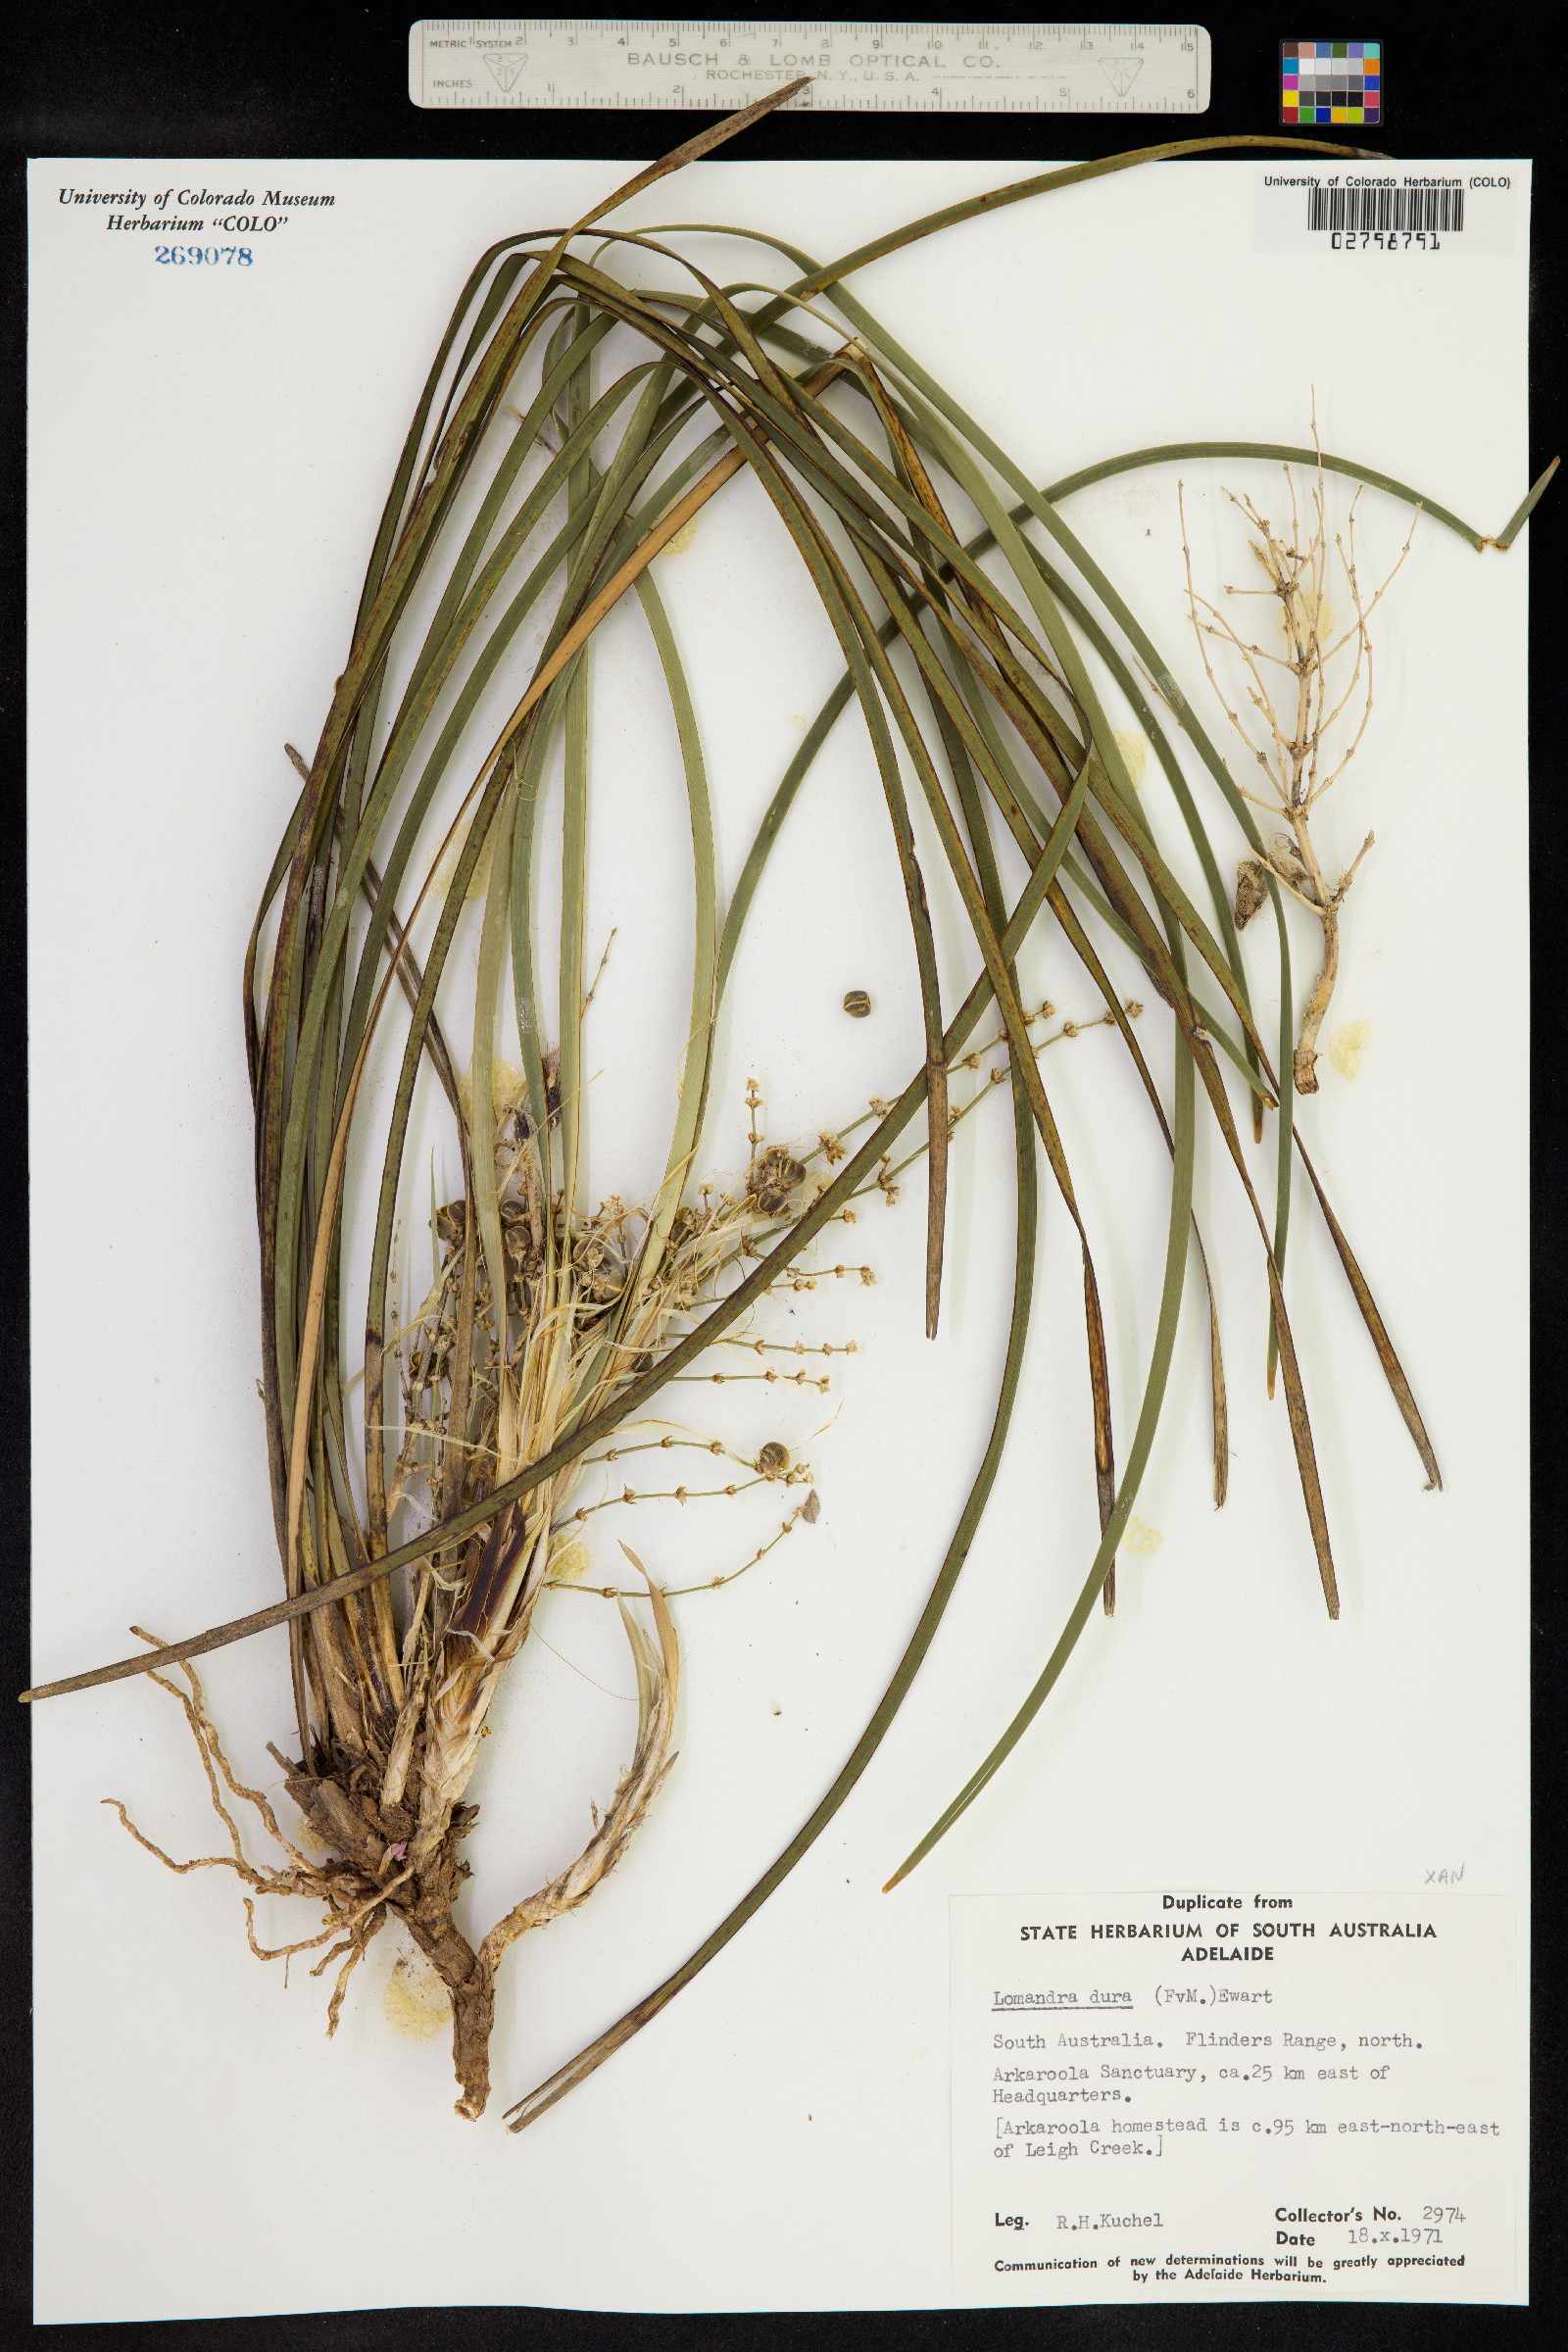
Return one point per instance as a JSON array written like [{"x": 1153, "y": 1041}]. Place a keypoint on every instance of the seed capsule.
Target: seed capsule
[
  {"x": 773, "y": 1459},
  {"x": 452, "y": 1223},
  {"x": 858, "y": 1004}
]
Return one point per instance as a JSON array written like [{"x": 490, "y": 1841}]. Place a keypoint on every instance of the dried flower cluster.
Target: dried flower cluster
[{"x": 1329, "y": 688}]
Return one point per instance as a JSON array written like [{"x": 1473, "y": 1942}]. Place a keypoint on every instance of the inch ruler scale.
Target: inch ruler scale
[{"x": 489, "y": 62}]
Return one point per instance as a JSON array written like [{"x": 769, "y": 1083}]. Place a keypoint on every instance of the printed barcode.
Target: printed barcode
[{"x": 1367, "y": 211}]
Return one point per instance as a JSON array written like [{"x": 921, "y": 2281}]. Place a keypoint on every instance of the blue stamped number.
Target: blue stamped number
[{"x": 219, "y": 256}]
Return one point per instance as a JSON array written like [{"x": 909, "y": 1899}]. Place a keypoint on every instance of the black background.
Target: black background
[{"x": 213, "y": 82}]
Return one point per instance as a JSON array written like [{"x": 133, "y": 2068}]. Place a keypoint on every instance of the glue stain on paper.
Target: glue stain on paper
[
  {"x": 416, "y": 2003},
  {"x": 569, "y": 1560},
  {"x": 797, "y": 719},
  {"x": 478, "y": 888},
  {"x": 447, "y": 865},
  {"x": 1347, "y": 1044},
  {"x": 1325, "y": 618},
  {"x": 1134, "y": 754},
  {"x": 1145, "y": 1541},
  {"x": 507, "y": 1085},
  {"x": 682, "y": 539}
]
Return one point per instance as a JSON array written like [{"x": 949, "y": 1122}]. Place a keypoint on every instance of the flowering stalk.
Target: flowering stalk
[{"x": 1288, "y": 734}]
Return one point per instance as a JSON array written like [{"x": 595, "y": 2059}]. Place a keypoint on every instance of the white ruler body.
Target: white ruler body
[{"x": 638, "y": 63}]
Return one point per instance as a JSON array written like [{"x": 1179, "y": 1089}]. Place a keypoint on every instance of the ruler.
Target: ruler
[{"x": 634, "y": 62}]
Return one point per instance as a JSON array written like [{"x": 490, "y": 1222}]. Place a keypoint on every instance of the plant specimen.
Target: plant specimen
[
  {"x": 1297, "y": 718},
  {"x": 594, "y": 389}
]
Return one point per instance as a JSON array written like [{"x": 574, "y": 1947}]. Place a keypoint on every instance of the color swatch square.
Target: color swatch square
[{"x": 1329, "y": 82}]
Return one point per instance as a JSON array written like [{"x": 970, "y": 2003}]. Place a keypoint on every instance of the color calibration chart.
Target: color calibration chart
[{"x": 1330, "y": 81}]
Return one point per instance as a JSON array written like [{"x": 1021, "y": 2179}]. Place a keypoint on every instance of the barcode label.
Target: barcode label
[
  {"x": 1441, "y": 214},
  {"x": 1378, "y": 212}
]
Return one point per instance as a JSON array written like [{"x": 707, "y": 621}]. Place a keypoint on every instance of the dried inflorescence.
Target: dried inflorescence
[{"x": 1297, "y": 719}]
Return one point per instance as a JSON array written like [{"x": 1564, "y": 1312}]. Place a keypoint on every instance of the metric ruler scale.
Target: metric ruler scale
[{"x": 659, "y": 63}]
